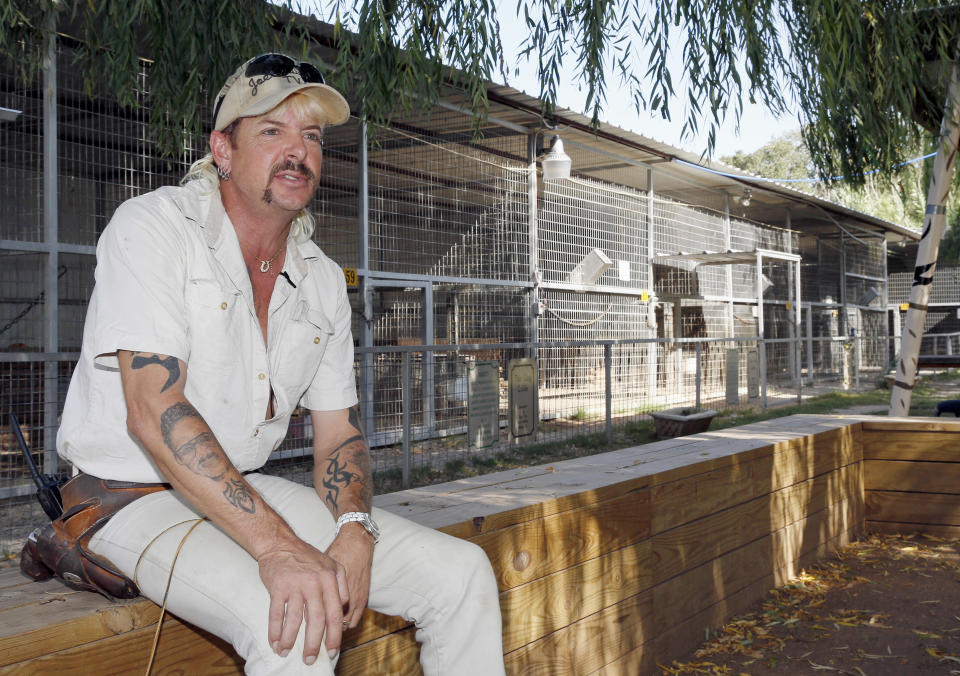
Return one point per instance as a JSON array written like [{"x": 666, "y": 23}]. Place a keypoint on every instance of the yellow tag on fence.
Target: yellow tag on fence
[{"x": 351, "y": 276}]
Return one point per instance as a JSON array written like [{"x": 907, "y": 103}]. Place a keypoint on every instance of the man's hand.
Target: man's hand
[
  {"x": 304, "y": 584},
  {"x": 353, "y": 548}
]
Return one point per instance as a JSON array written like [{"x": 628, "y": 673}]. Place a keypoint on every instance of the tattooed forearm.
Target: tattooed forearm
[
  {"x": 170, "y": 363},
  {"x": 238, "y": 495}
]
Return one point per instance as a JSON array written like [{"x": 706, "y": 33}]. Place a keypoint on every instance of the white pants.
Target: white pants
[{"x": 443, "y": 584}]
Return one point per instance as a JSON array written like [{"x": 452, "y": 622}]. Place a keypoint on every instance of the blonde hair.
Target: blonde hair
[{"x": 304, "y": 106}]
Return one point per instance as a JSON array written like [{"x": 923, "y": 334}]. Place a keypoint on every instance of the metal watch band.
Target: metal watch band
[{"x": 363, "y": 519}]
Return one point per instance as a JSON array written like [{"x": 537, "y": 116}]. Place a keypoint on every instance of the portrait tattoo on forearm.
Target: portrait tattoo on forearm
[
  {"x": 172, "y": 365},
  {"x": 203, "y": 456},
  {"x": 238, "y": 495}
]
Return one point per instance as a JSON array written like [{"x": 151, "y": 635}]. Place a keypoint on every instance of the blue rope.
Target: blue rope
[{"x": 794, "y": 180}]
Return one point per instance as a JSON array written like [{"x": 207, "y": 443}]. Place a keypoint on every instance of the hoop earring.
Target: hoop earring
[{"x": 225, "y": 175}]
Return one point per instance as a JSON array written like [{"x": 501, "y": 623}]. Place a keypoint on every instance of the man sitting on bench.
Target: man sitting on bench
[{"x": 213, "y": 317}]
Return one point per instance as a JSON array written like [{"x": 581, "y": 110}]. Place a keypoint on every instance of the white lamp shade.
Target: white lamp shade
[
  {"x": 556, "y": 165},
  {"x": 9, "y": 114}
]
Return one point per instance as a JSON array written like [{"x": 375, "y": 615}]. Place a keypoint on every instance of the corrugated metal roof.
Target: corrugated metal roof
[{"x": 698, "y": 185}]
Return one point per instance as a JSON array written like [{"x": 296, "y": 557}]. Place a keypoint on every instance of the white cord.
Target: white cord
[{"x": 580, "y": 325}]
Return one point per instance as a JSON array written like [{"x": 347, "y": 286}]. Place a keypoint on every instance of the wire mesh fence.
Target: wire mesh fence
[{"x": 421, "y": 410}]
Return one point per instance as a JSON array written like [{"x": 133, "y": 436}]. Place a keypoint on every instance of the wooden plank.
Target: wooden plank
[
  {"x": 895, "y": 528},
  {"x": 921, "y": 477},
  {"x": 534, "y": 549},
  {"x": 692, "y": 544},
  {"x": 471, "y": 519},
  {"x": 587, "y": 645},
  {"x": 556, "y": 601},
  {"x": 937, "y": 446},
  {"x": 912, "y": 424},
  {"x": 397, "y": 654},
  {"x": 182, "y": 650},
  {"x": 455, "y": 509},
  {"x": 40, "y": 627},
  {"x": 696, "y": 496},
  {"x": 915, "y": 508},
  {"x": 372, "y": 626}
]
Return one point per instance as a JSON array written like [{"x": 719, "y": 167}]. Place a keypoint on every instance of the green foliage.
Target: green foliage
[
  {"x": 949, "y": 253},
  {"x": 868, "y": 75},
  {"x": 191, "y": 46},
  {"x": 865, "y": 74},
  {"x": 900, "y": 198}
]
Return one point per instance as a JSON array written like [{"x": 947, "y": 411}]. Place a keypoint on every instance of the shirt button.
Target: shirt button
[
  {"x": 262, "y": 376},
  {"x": 223, "y": 305},
  {"x": 316, "y": 340}
]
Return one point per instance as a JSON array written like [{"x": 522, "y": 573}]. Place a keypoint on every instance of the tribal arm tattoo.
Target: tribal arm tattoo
[
  {"x": 348, "y": 467},
  {"x": 172, "y": 365}
]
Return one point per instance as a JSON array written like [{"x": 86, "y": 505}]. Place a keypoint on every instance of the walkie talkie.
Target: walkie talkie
[{"x": 48, "y": 487}]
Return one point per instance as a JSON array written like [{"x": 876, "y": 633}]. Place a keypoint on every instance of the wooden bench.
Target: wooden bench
[{"x": 607, "y": 564}]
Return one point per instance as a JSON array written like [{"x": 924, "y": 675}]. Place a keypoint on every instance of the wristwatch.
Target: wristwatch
[{"x": 364, "y": 520}]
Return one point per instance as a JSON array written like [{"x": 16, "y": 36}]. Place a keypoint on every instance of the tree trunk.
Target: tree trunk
[{"x": 933, "y": 224}]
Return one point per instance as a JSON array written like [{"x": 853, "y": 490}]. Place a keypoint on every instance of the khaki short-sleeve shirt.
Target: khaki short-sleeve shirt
[{"x": 170, "y": 279}]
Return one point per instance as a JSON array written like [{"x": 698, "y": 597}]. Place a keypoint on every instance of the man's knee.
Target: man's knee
[{"x": 475, "y": 570}]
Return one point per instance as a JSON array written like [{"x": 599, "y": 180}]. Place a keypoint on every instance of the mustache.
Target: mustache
[{"x": 297, "y": 167}]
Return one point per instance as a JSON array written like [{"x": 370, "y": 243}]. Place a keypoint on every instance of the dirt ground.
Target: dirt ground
[{"x": 887, "y": 605}]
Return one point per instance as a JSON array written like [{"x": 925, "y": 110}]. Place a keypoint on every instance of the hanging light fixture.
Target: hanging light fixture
[
  {"x": 556, "y": 164},
  {"x": 9, "y": 114}
]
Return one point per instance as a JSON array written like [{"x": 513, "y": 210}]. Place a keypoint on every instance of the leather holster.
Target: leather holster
[{"x": 61, "y": 547}]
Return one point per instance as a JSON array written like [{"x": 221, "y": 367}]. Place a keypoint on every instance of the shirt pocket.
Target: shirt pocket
[
  {"x": 301, "y": 348},
  {"x": 215, "y": 317}
]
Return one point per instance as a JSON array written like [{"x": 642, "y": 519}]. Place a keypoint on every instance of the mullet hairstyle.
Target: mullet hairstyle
[{"x": 204, "y": 170}]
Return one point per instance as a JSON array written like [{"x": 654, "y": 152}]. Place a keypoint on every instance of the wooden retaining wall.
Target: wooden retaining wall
[
  {"x": 608, "y": 564},
  {"x": 912, "y": 476},
  {"x": 612, "y": 563}
]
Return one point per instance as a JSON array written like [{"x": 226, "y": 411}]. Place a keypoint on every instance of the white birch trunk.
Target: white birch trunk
[{"x": 933, "y": 224}]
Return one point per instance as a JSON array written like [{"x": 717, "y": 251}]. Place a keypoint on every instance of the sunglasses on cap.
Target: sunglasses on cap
[{"x": 281, "y": 65}]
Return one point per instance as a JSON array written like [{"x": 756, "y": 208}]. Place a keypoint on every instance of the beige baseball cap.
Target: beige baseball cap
[{"x": 263, "y": 82}]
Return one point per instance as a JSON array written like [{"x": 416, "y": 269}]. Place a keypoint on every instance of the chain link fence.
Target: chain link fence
[{"x": 419, "y": 414}]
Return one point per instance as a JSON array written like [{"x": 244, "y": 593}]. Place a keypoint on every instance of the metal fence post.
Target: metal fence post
[
  {"x": 763, "y": 373},
  {"x": 405, "y": 413},
  {"x": 798, "y": 350},
  {"x": 699, "y": 374},
  {"x": 51, "y": 236},
  {"x": 608, "y": 393},
  {"x": 856, "y": 362}
]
